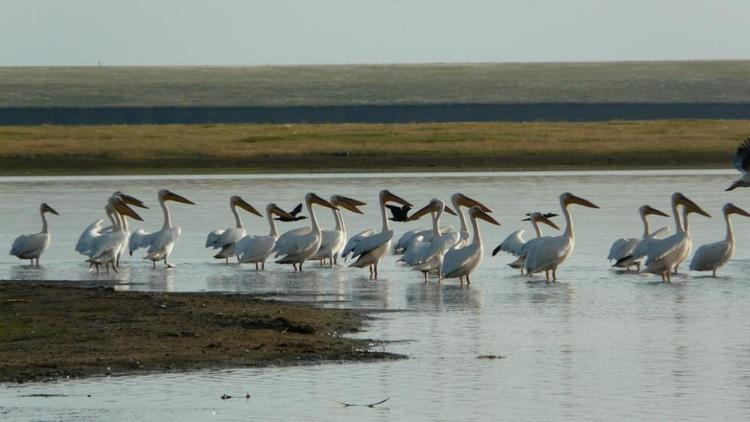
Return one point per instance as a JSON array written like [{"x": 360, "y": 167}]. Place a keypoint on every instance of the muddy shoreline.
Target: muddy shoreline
[{"x": 50, "y": 332}]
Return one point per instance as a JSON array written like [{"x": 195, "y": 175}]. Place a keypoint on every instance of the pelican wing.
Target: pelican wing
[
  {"x": 660, "y": 248},
  {"x": 213, "y": 240},
  {"x": 251, "y": 248},
  {"x": 372, "y": 242},
  {"x": 300, "y": 246},
  {"x": 513, "y": 244},
  {"x": 163, "y": 241},
  {"x": 285, "y": 241},
  {"x": 106, "y": 244},
  {"x": 546, "y": 253},
  {"x": 354, "y": 241},
  {"x": 140, "y": 239},
  {"x": 459, "y": 259},
  {"x": 29, "y": 245},
  {"x": 710, "y": 256},
  {"x": 84, "y": 240},
  {"x": 622, "y": 248}
]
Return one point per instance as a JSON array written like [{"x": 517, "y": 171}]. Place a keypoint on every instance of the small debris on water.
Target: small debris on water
[{"x": 490, "y": 357}]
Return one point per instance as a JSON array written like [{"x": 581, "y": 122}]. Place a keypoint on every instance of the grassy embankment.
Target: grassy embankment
[{"x": 358, "y": 147}]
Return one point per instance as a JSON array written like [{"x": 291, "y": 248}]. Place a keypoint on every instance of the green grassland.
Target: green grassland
[
  {"x": 368, "y": 147},
  {"x": 682, "y": 82}
]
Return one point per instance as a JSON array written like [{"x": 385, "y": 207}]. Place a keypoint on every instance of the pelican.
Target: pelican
[
  {"x": 369, "y": 249},
  {"x": 31, "y": 246},
  {"x": 517, "y": 246},
  {"x": 106, "y": 247},
  {"x": 742, "y": 164},
  {"x": 622, "y": 251},
  {"x": 159, "y": 243},
  {"x": 461, "y": 261},
  {"x": 226, "y": 239},
  {"x": 427, "y": 255},
  {"x": 459, "y": 200},
  {"x": 547, "y": 254},
  {"x": 303, "y": 246},
  {"x": 712, "y": 256},
  {"x": 256, "y": 249},
  {"x": 666, "y": 254},
  {"x": 334, "y": 240}
]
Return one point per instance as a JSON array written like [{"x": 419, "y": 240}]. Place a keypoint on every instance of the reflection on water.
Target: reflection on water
[{"x": 598, "y": 345}]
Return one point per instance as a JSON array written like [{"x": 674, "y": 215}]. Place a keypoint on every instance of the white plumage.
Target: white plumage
[
  {"x": 427, "y": 256},
  {"x": 459, "y": 262},
  {"x": 517, "y": 246},
  {"x": 622, "y": 251},
  {"x": 31, "y": 246},
  {"x": 255, "y": 249},
  {"x": 225, "y": 240},
  {"x": 712, "y": 256}
]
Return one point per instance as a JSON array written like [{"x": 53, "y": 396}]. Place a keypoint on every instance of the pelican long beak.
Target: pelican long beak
[
  {"x": 171, "y": 196},
  {"x": 649, "y": 210},
  {"x": 547, "y": 221},
  {"x": 448, "y": 210},
  {"x": 281, "y": 213},
  {"x": 572, "y": 199},
  {"x": 348, "y": 203},
  {"x": 47, "y": 208},
  {"x": 130, "y": 200},
  {"x": 315, "y": 199},
  {"x": 422, "y": 211},
  {"x": 733, "y": 209},
  {"x": 247, "y": 207},
  {"x": 465, "y": 201},
  {"x": 391, "y": 197},
  {"x": 484, "y": 216},
  {"x": 124, "y": 209},
  {"x": 691, "y": 206}
]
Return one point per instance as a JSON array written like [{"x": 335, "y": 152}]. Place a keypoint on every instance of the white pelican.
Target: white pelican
[
  {"x": 459, "y": 200},
  {"x": 461, "y": 261},
  {"x": 427, "y": 256},
  {"x": 256, "y": 249},
  {"x": 303, "y": 246},
  {"x": 31, "y": 246},
  {"x": 369, "y": 249},
  {"x": 742, "y": 164},
  {"x": 547, "y": 254},
  {"x": 159, "y": 243},
  {"x": 226, "y": 239},
  {"x": 517, "y": 246},
  {"x": 666, "y": 254},
  {"x": 623, "y": 250},
  {"x": 712, "y": 256},
  {"x": 106, "y": 247},
  {"x": 334, "y": 240}
]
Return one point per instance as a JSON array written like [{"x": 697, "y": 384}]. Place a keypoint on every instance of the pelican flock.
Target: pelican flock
[{"x": 438, "y": 251}]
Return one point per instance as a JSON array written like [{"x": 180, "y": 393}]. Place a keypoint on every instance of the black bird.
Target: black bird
[
  {"x": 294, "y": 213},
  {"x": 399, "y": 214},
  {"x": 546, "y": 215}
]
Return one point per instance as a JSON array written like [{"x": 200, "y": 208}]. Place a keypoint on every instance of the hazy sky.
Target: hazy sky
[{"x": 238, "y": 32}]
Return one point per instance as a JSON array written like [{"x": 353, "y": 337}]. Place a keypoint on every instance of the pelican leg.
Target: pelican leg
[
  {"x": 335, "y": 259},
  {"x": 376, "y": 271},
  {"x": 638, "y": 266},
  {"x": 300, "y": 266},
  {"x": 263, "y": 265},
  {"x": 295, "y": 267},
  {"x": 468, "y": 280},
  {"x": 114, "y": 267},
  {"x": 424, "y": 273},
  {"x": 370, "y": 268},
  {"x": 167, "y": 263},
  {"x": 256, "y": 266},
  {"x": 226, "y": 261},
  {"x": 669, "y": 276},
  {"x": 546, "y": 275},
  {"x": 714, "y": 273},
  {"x": 554, "y": 275},
  {"x": 154, "y": 262},
  {"x": 330, "y": 261}
]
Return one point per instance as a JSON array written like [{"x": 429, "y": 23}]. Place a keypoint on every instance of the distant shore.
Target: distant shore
[
  {"x": 249, "y": 148},
  {"x": 52, "y": 332}
]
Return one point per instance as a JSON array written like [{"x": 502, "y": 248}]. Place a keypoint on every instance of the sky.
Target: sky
[{"x": 249, "y": 32}]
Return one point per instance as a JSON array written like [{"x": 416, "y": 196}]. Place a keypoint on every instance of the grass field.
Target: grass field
[
  {"x": 684, "y": 82},
  {"x": 360, "y": 147}
]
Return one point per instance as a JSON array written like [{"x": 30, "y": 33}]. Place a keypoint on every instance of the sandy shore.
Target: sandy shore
[{"x": 50, "y": 332}]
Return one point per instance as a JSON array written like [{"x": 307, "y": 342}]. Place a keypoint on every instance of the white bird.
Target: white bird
[
  {"x": 548, "y": 253},
  {"x": 160, "y": 243},
  {"x": 517, "y": 246},
  {"x": 31, "y": 246},
  {"x": 302, "y": 247},
  {"x": 664, "y": 255},
  {"x": 105, "y": 247},
  {"x": 427, "y": 256},
  {"x": 459, "y": 200},
  {"x": 712, "y": 256},
  {"x": 333, "y": 241},
  {"x": 461, "y": 261},
  {"x": 623, "y": 250},
  {"x": 353, "y": 241},
  {"x": 369, "y": 249},
  {"x": 256, "y": 249},
  {"x": 742, "y": 164},
  {"x": 225, "y": 240}
]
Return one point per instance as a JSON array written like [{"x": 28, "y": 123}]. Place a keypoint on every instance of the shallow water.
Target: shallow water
[{"x": 598, "y": 345}]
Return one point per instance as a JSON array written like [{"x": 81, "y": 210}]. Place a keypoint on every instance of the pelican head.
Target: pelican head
[
  {"x": 312, "y": 198},
  {"x": 568, "y": 198},
  {"x": 166, "y": 195},
  {"x": 649, "y": 210},
  {"x": 275, "y": 209},
  {"x": 121, "y": 206},
  {"x": 44, "y": 208},
  {"x": 690, "y": 206},
  {"x": 730, "y": 208},
  {"x": 476, "y": 212},
  {"x": 130, "y": 200},
  {"x": 459, "y": 199},
  {"x": 236, "y": 201},
  {"x": 435, "y": 205},
  {"x": 537, "y": 217},
  {"x": 388, "y": 196},
  {"x": 347, "y": 203}
]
